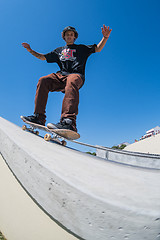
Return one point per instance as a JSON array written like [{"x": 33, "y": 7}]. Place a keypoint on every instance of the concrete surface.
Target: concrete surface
[
  {"x": 149, "y": 145},
  {"x": 137, "y": 159},
  {"x": 20, "y": 217},
  {"x": 92, "y": 198}
]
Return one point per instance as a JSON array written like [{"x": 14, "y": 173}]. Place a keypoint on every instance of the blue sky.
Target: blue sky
[{"x": 120, "y": 99}]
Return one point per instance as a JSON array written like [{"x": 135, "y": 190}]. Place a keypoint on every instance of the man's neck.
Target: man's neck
[{"x": 70, "y": 43}]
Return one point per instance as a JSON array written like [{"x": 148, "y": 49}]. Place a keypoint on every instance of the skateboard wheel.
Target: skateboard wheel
[
  {"x": 37, "y": 132},
  {"x": 24, "y": 127},
  {"x": 47, "y": 137},
  {"x": 64, "y": 143}
]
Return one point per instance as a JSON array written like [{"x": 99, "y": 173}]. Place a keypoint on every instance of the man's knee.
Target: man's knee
[
  {"x": 42, "y": 80},
  {"x": 74, "y": 80}
]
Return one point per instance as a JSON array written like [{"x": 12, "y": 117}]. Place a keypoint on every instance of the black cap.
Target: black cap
[{"x": 69, "y": 28}]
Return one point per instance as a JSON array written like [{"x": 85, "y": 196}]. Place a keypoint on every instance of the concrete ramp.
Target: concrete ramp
[
  {"x": 53, "y": 192},
  {"x": 147, "y": 145}
]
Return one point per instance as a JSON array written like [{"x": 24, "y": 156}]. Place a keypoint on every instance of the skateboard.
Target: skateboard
[{"x": 57, "y": 135}]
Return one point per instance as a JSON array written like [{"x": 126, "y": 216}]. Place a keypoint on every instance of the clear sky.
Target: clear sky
[{"x": 120, "y": 99}]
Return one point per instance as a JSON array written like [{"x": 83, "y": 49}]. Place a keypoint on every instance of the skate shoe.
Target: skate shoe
[
  {"x": 65, "y": 123},
  {"x": 36, "y": 118}
]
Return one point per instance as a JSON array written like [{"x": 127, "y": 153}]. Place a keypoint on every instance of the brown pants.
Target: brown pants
[{"x": 57, "y": 82}]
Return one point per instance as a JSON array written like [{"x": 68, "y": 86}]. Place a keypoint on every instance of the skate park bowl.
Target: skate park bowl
[{"x": 52, "y": 192}]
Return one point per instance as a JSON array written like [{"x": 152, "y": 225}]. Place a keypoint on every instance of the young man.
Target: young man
[{"x": 71, "y": 59}]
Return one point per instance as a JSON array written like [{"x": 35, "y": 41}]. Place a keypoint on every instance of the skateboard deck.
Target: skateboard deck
[{"x": 58, "y": 135}]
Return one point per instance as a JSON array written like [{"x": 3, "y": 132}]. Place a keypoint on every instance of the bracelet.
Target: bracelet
[{"x": 105, "y": 37}]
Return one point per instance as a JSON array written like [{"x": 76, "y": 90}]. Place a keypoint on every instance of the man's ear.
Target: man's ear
[{"x": 63, "y": 36}]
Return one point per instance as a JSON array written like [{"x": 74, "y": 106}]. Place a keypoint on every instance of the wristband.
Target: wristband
[{"x": 105, "y": 37}]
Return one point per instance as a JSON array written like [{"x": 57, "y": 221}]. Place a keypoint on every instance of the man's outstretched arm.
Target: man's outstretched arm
[
  {"x": 106, "y": 33},
  {"x": 34, "y": 53}
]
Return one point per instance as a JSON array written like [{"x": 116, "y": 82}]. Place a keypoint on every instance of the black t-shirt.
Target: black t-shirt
[{"x": 71, "y": 58}]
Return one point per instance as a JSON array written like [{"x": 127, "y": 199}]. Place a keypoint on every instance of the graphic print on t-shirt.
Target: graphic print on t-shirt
[{"x": 67, "y": 54}]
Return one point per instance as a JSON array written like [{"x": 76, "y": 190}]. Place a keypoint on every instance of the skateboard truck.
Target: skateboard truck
[
  {"x": 31, "y": 129},
  {"x": 48, "y": 137}
]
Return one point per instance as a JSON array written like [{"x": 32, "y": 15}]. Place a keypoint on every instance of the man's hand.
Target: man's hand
[
  {"x": 27, "y": 46},
  {"x": 106, "y": 31},
  {"x": 34, "y": 53}
]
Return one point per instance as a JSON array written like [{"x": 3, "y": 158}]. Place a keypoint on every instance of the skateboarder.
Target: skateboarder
[{"x": 71, "y": 59}]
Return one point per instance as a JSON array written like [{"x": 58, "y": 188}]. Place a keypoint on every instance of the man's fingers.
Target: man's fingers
[
  {"x": 106, "y": 28},
  {"x": 25, "y": 45}
]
